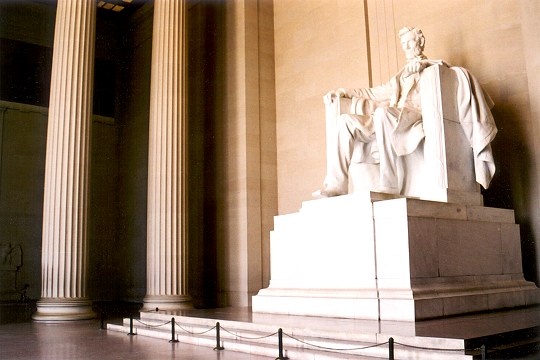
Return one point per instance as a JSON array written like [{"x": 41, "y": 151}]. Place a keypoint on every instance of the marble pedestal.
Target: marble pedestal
[{"x": 368, "y": 256}]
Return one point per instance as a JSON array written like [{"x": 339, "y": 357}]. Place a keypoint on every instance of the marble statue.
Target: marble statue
[{"x": 388, "y": 122}]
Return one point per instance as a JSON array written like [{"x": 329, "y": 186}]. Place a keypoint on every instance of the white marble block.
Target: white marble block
[
  {"x": 369, "y": 256},
  {"x": 323, "y": 261},
  {"x": 438, "y": 259}
]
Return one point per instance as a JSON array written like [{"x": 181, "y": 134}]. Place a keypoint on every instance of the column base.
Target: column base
[
  {"x": 167, "y": 302},
  {"x": 59, "y": 309}
]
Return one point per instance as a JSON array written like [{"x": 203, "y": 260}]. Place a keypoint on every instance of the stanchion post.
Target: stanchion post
[
  {"x": 280, "y": 346},
  {"x": 483, "y": 351},
  {"x": 391, "y": 349},
  {"x": 131, "y": 333},
  {"x": 102, "y": 320},
  {"x": 218, "y": 338},
  {"x": 173, "y": 337}
]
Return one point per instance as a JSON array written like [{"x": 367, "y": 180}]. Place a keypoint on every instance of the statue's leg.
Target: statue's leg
[
  {"x": 349, "y": 128},
  {"x": 385, "y": 120}
]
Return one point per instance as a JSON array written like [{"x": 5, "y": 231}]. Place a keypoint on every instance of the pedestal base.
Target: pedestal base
[
  {"x": 364, "y": 256},
  {"x": 63, "y": 310},
  {"x": 328, "y": 303},
  {"x": 167, "y": 302}
]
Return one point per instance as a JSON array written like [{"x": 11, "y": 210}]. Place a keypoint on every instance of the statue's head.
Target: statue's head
[{"x": 412, "y": 42}]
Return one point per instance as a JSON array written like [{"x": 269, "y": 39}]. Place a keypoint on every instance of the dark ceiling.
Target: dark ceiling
[{"x": 120, "y": 6}]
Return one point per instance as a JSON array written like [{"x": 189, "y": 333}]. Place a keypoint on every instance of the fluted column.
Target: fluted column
[
  {"x": 64, "y": 251},
  {"x": 167, "y": 281}
]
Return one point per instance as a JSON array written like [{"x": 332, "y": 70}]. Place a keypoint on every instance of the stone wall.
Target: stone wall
[
  {"x": 23, "y": 130},
  {"x": 319, "y": 47},
  {"x": 247, "y": 196},
  {"x": 22, "y": 167}
]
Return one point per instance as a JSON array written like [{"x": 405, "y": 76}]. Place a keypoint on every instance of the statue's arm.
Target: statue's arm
[
  {"x": 378, "y": 93},
  {"x": 418, "y": 66},
  {"x": 382, "y": 93}
]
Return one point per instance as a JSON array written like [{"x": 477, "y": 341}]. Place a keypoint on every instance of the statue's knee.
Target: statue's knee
[
  {"x": 379, "y": 115},
  {"x": 344, "y": 118},
  {"x": 381, "y": 111},
  {"x": 344, "y": 121},
  {"x": 386, "y": 115}
]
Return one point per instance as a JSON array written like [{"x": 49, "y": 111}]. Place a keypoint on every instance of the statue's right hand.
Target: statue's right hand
[
  {"x": 341, "y": 92},
  {"x": 328, "y": 97}
]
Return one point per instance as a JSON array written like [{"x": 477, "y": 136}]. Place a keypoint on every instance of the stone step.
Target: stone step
[
  {"x": 523, "y": 343},
  {"x": 298, "y": 342},
  {"x": 259, "y": 347}
]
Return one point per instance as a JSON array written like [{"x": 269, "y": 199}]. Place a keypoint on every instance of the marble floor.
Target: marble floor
[{"x": 84, "y": 340}]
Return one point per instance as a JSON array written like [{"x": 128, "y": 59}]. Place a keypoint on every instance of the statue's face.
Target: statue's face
[{"x": 410, "y": 45}]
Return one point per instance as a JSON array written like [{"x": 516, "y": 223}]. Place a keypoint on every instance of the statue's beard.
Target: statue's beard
[{"x": 417, "y": 55}]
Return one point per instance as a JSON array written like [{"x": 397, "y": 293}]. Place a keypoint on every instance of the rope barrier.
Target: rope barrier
[
  {"x": 249, "y": 338},
  {"x": 194, "y": 333},
  {"x": 427, "y": 348},
  {"x": 150, "y": 311},
  {"x": 280, "y": 334},
  {"x": 153, "y": 326},
  {"x": 336, "y": 349}
]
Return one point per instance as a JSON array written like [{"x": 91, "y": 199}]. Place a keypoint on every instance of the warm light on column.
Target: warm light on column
[
  {"x": 167, "y": 281},
  {"x": 64, "y": 249}
]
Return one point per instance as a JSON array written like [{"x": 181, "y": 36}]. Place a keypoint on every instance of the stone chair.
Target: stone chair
[{"x": 442, "y": 167}]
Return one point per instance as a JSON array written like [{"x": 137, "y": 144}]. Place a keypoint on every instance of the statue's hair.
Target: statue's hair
[{"x": 417, "y": 33}]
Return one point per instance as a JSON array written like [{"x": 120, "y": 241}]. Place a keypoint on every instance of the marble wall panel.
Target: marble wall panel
[
  {"x": 469, "y": 248},
  {"x": 460, "y": 305},
  {"x": 506, "y": 299},
  {"x": 319, "y": 46},
  {"x": 247, "y": 163},
  {"x": 392, "y": 243},
  {"x": 511, "y": 249},
  {"x": 430, "y": 308},
  {"x": 423, "y": 247}
]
